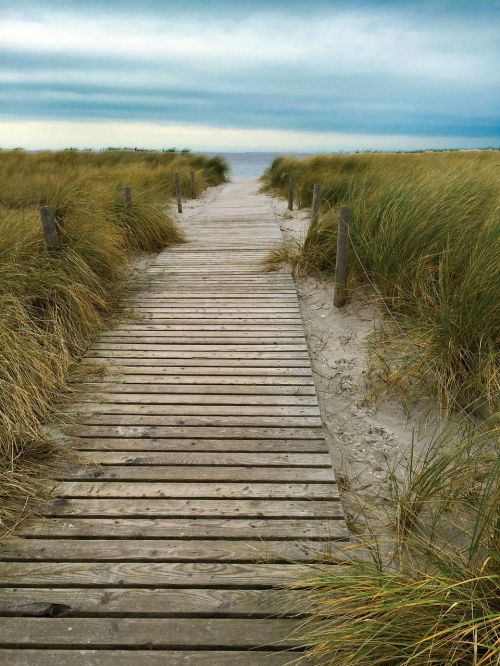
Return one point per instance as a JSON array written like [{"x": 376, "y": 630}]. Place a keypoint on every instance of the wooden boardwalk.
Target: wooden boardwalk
[{"x": 208, "y": 484}]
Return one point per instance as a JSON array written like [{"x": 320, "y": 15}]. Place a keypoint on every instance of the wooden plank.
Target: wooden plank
[
  {"x": 194, "y": 432},
  {"x": 156, "y": 574},
  {"x": 165, "y": 421},
  {"x": 199, "y": 459},
  {"x": 216, "y": 489},
  {"x": 186, "y": 508},
  {"x": 195, "y": 398},
  {"x": 185, "y": 528},
  {"x": 198, "y": 361},
  {"x": 154, "y": 550},
  {"x": 195, "y": 391},
  {"x": 202, "y": 347},
  {"x": 200, "y": 473},
  {"x": 273, "y": 311},
  {"x": 259, "y": 329},
  {"x": 95, "y": 408},
  {"x": 173, "y": 295},
  {"x": 216, "y": 317},
  {"x": 197, "y": 444},
  {"x": 219, "y": 338},
  {"x": 148, "y": 366},
  {"x": 164, "y": 300},
  {"x": 130, "y": 632},
  {"x": 118, "y": 376},
  {"x": 120, "y": 657}
]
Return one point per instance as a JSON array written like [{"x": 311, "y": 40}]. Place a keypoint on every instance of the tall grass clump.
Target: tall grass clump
[
  {"x": 52, "y": 302},
  {"x": 436, "y": 600},
  {"x": 426, "y": 236}
]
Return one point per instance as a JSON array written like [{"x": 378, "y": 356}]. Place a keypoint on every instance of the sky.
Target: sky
[{"x": 255, "y": 75}]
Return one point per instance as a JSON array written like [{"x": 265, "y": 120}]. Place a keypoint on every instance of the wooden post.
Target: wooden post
[
  {"x": 127, "y": 195},
  {"x": 316, "y": 202},
  {"x": 291, "y": 191},
  {"x": 49, "y": 225},
  {"x": 178, "y": 192},
  {"x": 193, "y": 184},
  {"x": 339, "y": 293}
]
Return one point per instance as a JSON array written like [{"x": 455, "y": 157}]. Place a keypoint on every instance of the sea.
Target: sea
[{"x": 251, "y": 166}]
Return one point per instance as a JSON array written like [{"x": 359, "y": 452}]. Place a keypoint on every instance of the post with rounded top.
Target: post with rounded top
[
  {"x": 193, "y": 184},
  {"x": 127, "y": 195},
  {"x": 291, "y": 191},
  {"x": 316, "y": 202},
  {"x": 339, "y": 293},
  {"x": 50, "y": 231},
  {"x": 178, "y": 191}
]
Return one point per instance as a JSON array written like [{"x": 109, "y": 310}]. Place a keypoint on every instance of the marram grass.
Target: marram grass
[
  {"x": 426, "y": 235},
  {"x": 426, "y": 238},
  {"x": 53, "y": 302},
  {"x": 365, "y": 616},
  {"x": 436, "y": 600}
]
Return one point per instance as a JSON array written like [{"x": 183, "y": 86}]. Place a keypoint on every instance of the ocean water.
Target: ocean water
[{"x": 250, "y": 165}]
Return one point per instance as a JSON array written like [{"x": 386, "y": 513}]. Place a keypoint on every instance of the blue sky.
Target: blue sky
[{"x": 219, "y": 75}]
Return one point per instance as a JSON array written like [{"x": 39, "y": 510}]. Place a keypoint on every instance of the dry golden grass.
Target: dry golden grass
[
  {"x": 53, "y": 302},
  {"x": 426, "y": 233},
  {"x": 426, "y": 237}
]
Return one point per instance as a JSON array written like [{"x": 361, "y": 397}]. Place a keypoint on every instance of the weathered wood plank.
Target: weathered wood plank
[
  {"x": 202, "y": 347},
  {"x": 200, "y": 335},
  {"x": 186, "y": 409},
  {"x": 185, "y": 528},
  {"x": 221, "y": 432},
  {"x": 149, "y": 367},
  {"x": 209, "y": 420},
  {"x": 159, "y": 329},
  {"x": 207, "y": 390},
  {"x": 119, "y": 376},
  {"x": 129, "y": 632},
  {"x": 156, "y": 574},
  {"x": 200, "y": 473},
  {"x": 186, "y": 508},
  {"x": 163, "y": 550},
  {"x": 198, "y": 459},
  {"x": 191, "y": 489},
  {"x": 118, "y": 443},
  {"x": 195, "y": 398},
  {"x": 120, "y": 657},
  {"x": 197, "y": 361}
]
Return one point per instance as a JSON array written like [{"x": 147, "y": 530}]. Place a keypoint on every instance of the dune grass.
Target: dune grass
[
  {"x": 436, "y": 600},
  {"x": 52, "y": 302},
  {"x": 425, "y": 239},
  {"x": 446, "y": 613},
  {"x": 426, "y": 234}
]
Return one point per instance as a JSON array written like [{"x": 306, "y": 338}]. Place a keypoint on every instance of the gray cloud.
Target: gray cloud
[{"x": 374, "y": 68}]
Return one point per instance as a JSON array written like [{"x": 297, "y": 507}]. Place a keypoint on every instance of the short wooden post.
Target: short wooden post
[
  {"x": 339, "y": 293},
  {"x": 178, "y": 192},
  {"x": 193, "y": 184},
  {"x": 291, "y": 191},
  {"x": 316, "y": 202},
  {"x": 49, "y": 225},
  {"x": 127, "y": 195}
]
